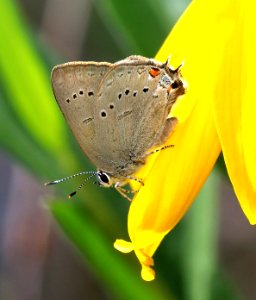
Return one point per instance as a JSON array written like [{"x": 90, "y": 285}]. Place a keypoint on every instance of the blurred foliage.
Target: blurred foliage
[{"x": 34, "y": 133}]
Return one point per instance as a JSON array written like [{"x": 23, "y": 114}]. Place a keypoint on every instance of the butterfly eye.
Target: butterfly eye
[{"x": 103, "y": 178}]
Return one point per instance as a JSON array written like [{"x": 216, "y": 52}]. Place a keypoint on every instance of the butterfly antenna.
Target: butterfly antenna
[
  {"x": 80, "y": 186},
  {"x": 70, "y": 177}
]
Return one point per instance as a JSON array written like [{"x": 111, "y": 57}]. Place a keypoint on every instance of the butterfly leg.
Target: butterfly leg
[
  {"x": 159, "y": 149},
  {"x": 122, "y": 192},
  {"x": 135, "y": 179}
]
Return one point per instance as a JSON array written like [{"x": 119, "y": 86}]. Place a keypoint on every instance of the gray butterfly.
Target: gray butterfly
[{"x": 118, "y": 112}]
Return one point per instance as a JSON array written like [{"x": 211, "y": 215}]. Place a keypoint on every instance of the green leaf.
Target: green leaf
[
  {"x": 14, "y": 139},
  {"x": 200, "y": 242},
  {"x": 111, "y": 267},
  {"x": 140, "y": 26},
  {"x": 202, "y": 275},
  {"x": 26, "y": 83}
]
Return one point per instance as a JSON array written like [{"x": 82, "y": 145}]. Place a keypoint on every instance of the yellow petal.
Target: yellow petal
[
  {"x": 147, "y": 273},
  {"x": 123, "y": 246},
  {"x": 235, "y": 106},
  {"x": 176, "y": 175}
]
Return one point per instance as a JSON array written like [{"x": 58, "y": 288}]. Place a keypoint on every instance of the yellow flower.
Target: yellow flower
[{"x": 216, "y": 40}]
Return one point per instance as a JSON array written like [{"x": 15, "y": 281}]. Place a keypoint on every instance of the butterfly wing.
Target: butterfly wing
[
  {"x": 75, "y": 87},
  {"x": 117, "y": 112}
]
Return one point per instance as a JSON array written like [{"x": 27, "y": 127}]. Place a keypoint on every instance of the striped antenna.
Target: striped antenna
[
  {"x": 70, "y": 177},
  {"x": 81, "y": 185}
]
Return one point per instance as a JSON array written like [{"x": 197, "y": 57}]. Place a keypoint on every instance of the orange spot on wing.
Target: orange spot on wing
[
  {"x": 154, "y": 72},
  {"x": 169, "y": 89}
]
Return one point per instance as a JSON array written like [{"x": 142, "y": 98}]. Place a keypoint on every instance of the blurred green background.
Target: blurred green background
[{"x": 54, "y": 248}]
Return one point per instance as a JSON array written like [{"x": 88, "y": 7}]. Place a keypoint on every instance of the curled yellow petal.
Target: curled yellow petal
[
  {"x": 123, "y": 246},
  {"x": 214, "y": 39},
  {"x": 147, "y": 273},
  {"x": 174, "y": 177}
]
